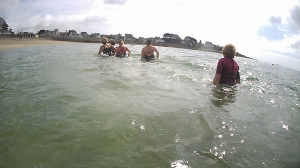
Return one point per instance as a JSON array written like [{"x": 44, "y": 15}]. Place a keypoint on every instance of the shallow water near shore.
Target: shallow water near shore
[{"x": 65, "y": 106}]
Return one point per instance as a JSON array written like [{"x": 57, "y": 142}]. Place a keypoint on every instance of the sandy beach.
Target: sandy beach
[{"x": 9, "y": 43}]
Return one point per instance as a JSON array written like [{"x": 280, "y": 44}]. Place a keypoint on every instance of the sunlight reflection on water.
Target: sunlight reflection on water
[{"x": 69, "y": 105}]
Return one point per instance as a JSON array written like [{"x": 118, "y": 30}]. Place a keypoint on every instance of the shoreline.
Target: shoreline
[
  {"x": 10, "y": 43},
  {"x": 84, "y": 40},
  {"x": 188, "y": 48}
]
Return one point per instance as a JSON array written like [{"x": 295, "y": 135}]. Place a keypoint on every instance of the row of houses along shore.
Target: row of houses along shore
[{"x": 168, "y": 40}]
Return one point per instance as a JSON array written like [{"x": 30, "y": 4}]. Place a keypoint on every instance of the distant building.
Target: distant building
[
  {"x": 116, "y": 37},
  {"x": 56, "y": 32},
  {"x": 129, "y": 37},
  {"x": 49, "y": 33},
  {"x": 5, "y": 32},
  {"x": 96, "y": 35},
  {"x": 83, "y": 35},
  {"x": 208, "y": 44},
  {"x": 102, "y": 36},
  {"x": 73, "y": 34},
  {"x": 25, "y": 34},
  {"x": 41, "y": 33},
  {"x": 159, "y": 40},
  {"x": 63, "y": 34},
  {"x": 142, "y": 39},
  {"x": 217, "y": 47}
]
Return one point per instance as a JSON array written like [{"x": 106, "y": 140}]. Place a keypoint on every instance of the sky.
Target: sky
[{"x": 267, "y": 30}]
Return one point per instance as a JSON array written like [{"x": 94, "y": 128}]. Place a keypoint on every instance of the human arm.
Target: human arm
[
  {"x": 217, "y": 79},
  {"x": 157, "y": 53},
  {"x": 101, "y": 50},
  {"x": 142, "y": 54},
  {"x": 129, "y": 52},
  {"x": 219, "y": 70},
  {"x": 115, "y": 49},
  {"x": 238, "y": 80}
]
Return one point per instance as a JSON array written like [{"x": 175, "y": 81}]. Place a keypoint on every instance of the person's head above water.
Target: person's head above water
[
  {"x": 121, "y": 42},
  {"x": 148, "y": 41},
  {"x": 112, "y": 42},
  {"x": 229, "y": 51},
  {"x": 104, "y": 40}
]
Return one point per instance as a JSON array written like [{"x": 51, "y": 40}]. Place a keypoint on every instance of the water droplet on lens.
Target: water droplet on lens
[{"x": 285, "y": 127}]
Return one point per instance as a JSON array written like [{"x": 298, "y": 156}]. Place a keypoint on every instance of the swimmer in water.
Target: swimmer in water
[
  {"x": 148, "y": 52},
  {"x": 227, "y": 69},
  {"x": 107, "y": 48},
  {"x": 121, "y": 50}
]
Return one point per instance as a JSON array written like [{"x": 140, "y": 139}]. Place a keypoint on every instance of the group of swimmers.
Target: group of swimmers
[
  {"x": 227, "y": 69},
  {"x": 121, "y": 50},
  {"x": 110, "y": 50}
]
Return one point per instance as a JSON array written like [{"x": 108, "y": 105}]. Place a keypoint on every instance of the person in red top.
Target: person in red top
[
  {"x": 121, "y": 50},
  {"x": 227, "y": 69}
]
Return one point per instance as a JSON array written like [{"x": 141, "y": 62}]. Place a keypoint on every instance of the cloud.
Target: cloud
[
  {"x": 115, "y": 2},
  {"x": 94, "y": 19},
  {"x": 7, "y": 5},
  {"x": 275, "y": 20},
  {"x": 80, "y": 23},
  {"x": 296, "y": 46},
  {"x": 282, "y": 30},
  {"x": 294, "y": 21},
  {"x": 277, "y": 31},
  {"x": 272, "y": 32},
  {"x": 32, "y": 15}
]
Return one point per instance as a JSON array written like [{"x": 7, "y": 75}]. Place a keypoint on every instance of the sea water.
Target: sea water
[{"x": 65, "y": 106}]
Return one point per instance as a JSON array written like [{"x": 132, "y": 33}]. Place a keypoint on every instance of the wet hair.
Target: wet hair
[
  {"x": 112, "y": 42},
  {"x": 104, "y": 40},
  {"x": 229, "y": 51},
  {"x": 149, "y": 41},
  {"x": 121, "y": 42}
]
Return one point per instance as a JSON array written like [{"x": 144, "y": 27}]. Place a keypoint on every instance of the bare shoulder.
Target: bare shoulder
[{"x": 154, "y": 48}]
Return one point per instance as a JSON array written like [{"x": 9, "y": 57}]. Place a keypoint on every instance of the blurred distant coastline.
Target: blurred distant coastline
[
  {"x": 174, "y": 45},
  {"x": 21, "y": 41}
]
